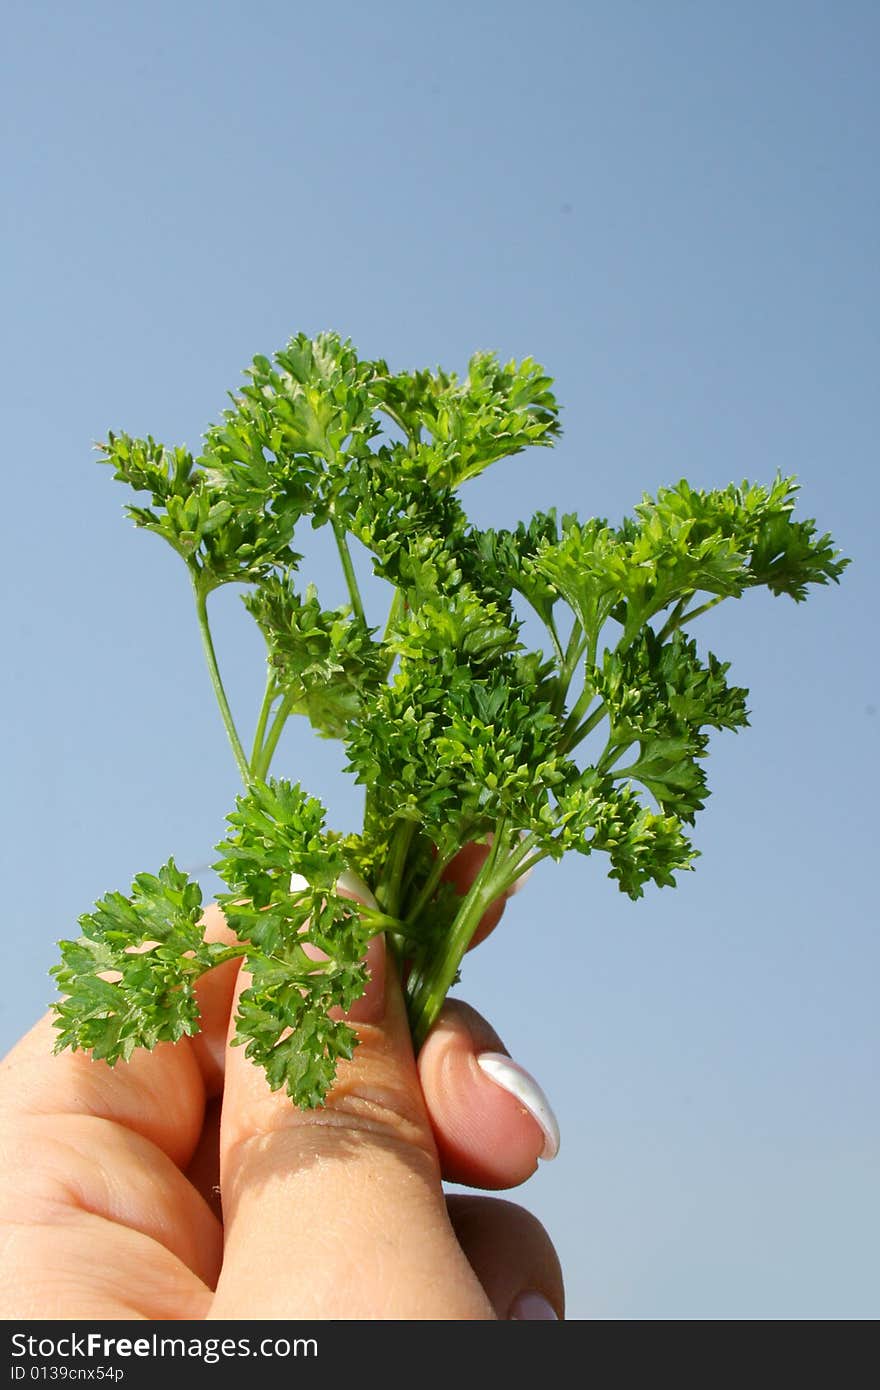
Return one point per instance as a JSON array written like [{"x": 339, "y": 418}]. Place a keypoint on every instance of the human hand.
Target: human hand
[{"x": 109, "y": 1206}]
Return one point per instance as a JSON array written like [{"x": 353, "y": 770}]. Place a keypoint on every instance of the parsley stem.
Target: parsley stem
[
  {"x": 678, "y": 617},
  {"x": 429, "y": 887},
  {"x": 428, "y": 985},
  {"x": 613, "y": 754},
  {"x": 577, "y": 643},
  {"x": 267, "y": 752},
  {"x": 578, "y": 710},
  {"x": 554, "y": 638},
  {"x": 229, "y": 953},
  {"x": 395, "y": 613},
  {"x": 214, "y": 672},
  {"x": 525, "y": 866},
  {"x": 520, "y": 853},
  {"x": 571, "y": 740},
  {"x": 518, "y": 861},
  {"x": 354, "y": 592},
  {"x": 260, "y": 731},
  {"x": 549, "y": 623},
  {"x": 703, "y": 608},
  {"x": 387, "y": 890},
  {"x": 674, "y": 619}
]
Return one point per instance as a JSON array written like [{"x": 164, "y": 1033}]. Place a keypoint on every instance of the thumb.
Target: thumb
[{"x": 339, "y": 1212}]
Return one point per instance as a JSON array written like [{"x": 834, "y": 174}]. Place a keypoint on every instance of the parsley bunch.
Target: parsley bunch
[{"x": 455, "y": 730}]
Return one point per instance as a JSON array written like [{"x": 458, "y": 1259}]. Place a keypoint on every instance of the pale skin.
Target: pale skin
[{"x": 121, "y": 1200}]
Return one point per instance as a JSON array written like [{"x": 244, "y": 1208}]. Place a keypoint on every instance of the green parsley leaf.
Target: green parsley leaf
[
  {"x": 455, "y": 729},
  {"x": 129, "y": 979}
]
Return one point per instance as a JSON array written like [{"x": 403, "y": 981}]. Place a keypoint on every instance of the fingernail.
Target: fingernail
[
  {"x": 531, "y": 1306},
  {"x": 349, "y": 883},
  {"x": 519, "y": 1083},
  {"x": 354, "y": 885}
]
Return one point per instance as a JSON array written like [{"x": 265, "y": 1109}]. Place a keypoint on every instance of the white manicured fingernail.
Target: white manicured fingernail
[
  {"x": 353, "y": 883},
  {"x": 347, "y": 881},
  {"x": 531, "y": 1306},
  {"x": 519, "y": 1083}
]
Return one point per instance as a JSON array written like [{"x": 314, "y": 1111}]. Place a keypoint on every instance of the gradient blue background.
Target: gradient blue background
[{"x": 673, "y": 206}]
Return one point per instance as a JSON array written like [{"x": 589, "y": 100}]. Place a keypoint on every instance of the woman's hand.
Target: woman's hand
[{"x": 178, "y": 1186}]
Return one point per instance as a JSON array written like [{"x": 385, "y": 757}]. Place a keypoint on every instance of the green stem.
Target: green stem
[
  {"x": 571, "y": 740},
  {"x": 703, "y": 608},
  {"x": 674, "y": 619},
  {"x": 387, "y": 890},
  {"x": 386, "y": 409},
  {"x": 230, "y": 953},
  {"x": 429, "y": 887},
  {"x": 214, "y": 672},
  {"x": 382, "y": 921},
  {"x": 678, "y": 617},
  {"x": 578, "y": 710},
  {"x": 574, "y": 648},
  {"x": 573, "y": 652},
  {"x": 518, "y": 862},
  {"x": 394, "y": 615},
  {"x": 630, "y": 771},
  {"x": 428, "y": 985},
  {"x": 520, "y": 852},
  {"x": 354, "y": 592},
  {"x": 265, "y": 759},
  {"x": 260, "y": 732},
  {"x": 550, "y": 625},
  {"x": 526, "y": 866},
  {"x": 613, "y": 754}
]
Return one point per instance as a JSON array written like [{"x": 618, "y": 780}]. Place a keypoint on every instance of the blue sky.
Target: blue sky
[{"x": 675, "y": 208}]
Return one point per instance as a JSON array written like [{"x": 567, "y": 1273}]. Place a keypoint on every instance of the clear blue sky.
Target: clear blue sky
[{"x": 675, "y": 207}]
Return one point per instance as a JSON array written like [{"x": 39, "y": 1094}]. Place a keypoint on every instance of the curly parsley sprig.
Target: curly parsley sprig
[{"x": 455, "y": 730}]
